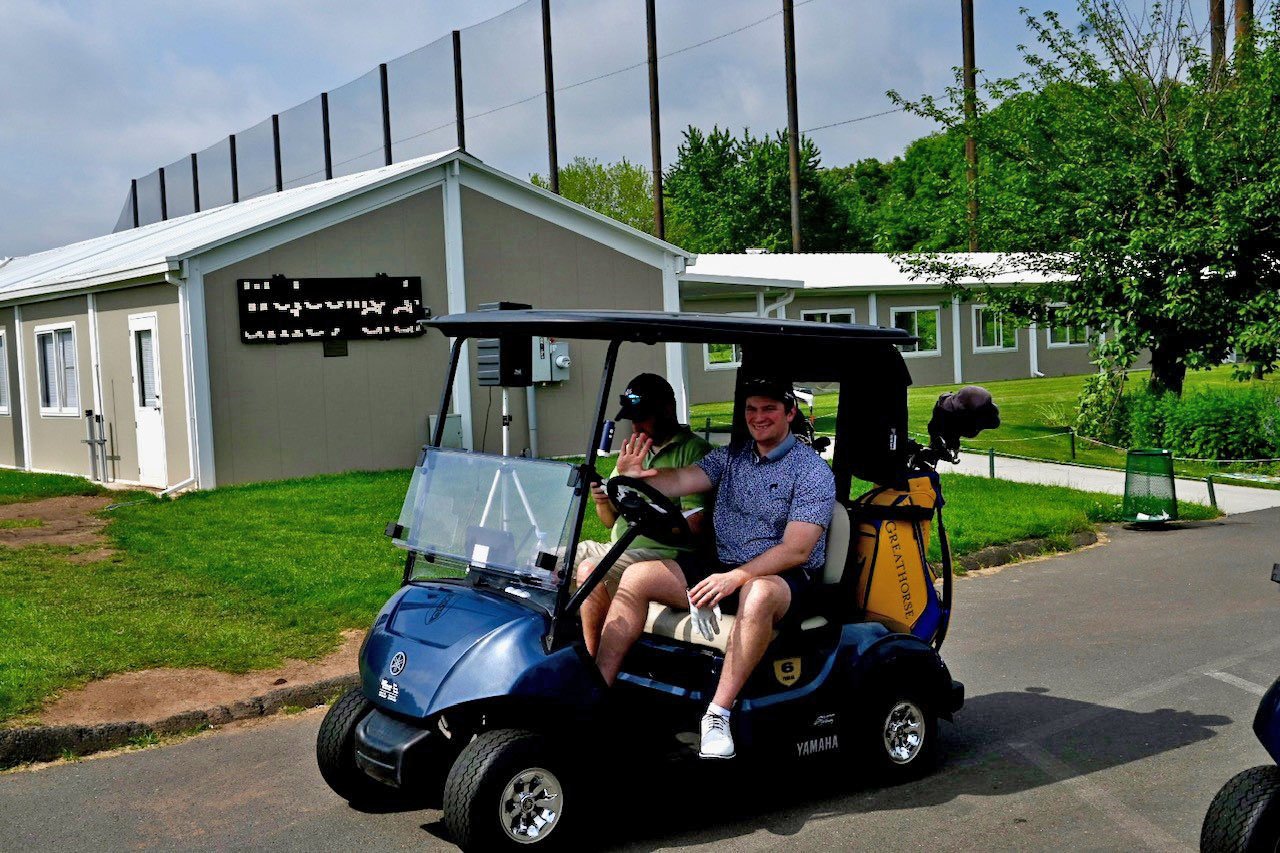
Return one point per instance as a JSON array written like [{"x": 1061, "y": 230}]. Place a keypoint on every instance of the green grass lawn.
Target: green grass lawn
[
  {"x": 1034, "y": 414},
  {"x": 242, "y": 577},
  {"x": 19, "y": 486}
]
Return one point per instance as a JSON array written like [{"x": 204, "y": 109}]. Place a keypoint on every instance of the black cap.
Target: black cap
[
  {"x": 768, "y": 386},
  {"x": 646, "y": 395}
]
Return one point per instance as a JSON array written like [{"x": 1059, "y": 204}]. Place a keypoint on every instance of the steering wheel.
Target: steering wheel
[{"x": 643, "y": 506}]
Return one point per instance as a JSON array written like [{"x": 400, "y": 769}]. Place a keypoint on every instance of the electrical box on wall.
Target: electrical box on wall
[
  {"x": 452, "y": 429},
  {"x": 551, "y": 361}
]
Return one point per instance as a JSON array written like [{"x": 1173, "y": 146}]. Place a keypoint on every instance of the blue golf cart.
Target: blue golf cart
[{"x": 475, "y": 680}]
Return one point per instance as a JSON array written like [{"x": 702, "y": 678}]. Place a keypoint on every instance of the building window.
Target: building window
[
  {"x": 721, "y": 356},
  {"x": 4, "y": 372},
  {"x": 993, "y": 331},
  {"x": 56, "y": 359},
  {"x": 922, "y": 322},
  {"x": 830, "y": 315},
  {"x": 1062, "y": 334}
]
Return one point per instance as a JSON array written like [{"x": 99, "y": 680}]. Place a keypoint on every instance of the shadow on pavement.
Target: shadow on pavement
[{"x": 1002, "y": 743}]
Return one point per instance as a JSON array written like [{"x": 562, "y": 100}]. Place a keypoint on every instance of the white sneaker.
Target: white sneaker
[{"x": 717, "y": 742}]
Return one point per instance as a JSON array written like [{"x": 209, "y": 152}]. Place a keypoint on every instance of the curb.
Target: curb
[
  {"x": 1000, "y": 555},
  {"x": 47, "y": 743}
]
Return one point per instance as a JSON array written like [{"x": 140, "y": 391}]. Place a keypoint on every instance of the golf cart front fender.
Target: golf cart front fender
[
  {"x": 1266, "y": 723},
  {"x": 906, "y": 659},
  {"x": 437, "y": 646}
]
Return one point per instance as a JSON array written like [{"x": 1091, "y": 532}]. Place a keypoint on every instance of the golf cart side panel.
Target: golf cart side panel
[
  {"x": 908, "y": 657},
  {"x": 479, "y": 645},
  {"x": 1266, "y": 724}
]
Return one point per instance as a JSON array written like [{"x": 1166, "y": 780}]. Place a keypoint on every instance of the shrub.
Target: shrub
[
  {"x": 1101, "y": 407},
  {"x": 1237, "y": 423}
]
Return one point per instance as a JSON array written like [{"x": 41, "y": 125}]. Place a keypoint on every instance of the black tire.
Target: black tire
[
  {"x": 480, "y": 778},
  {"x": 335, "y": 751},
  {"x": 896, "y": 733},
  {"x": 1245, "y": 815}
]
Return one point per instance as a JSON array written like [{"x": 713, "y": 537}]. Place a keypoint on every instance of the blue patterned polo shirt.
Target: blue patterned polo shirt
[{"x": 756, "y": 497}]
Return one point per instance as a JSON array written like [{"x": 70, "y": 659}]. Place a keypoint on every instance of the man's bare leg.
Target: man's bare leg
[
  {"x": 656, "y": 580},
  {"x": 593, "y": 609},
  {"x": 761, "y": 603}
]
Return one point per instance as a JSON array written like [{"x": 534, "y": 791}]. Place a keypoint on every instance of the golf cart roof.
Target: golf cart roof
[{"x": 655, "y": 326}]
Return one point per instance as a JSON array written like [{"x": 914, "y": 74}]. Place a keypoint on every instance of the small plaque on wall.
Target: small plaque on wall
[{"x": 281, "y": 310}]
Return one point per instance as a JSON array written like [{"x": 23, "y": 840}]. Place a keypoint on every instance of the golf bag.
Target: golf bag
[{"x": 894, "y": 584}]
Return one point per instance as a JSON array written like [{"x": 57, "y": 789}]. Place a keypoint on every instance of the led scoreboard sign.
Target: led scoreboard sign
[{"x": 280, "y": 310}]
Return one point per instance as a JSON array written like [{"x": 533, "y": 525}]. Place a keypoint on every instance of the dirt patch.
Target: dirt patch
[
  {"x": 149, "y": 695},
  {"x": 69, "y": 520}
]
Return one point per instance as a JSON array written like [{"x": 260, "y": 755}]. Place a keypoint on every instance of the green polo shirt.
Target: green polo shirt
[{"x": 682, "y": 449}]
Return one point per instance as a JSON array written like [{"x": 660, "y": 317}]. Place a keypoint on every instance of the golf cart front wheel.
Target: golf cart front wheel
[
  {"x": 898, "y": 734},
  {"x": 1245, "y": 815},
  {"x": 506, "y": 791},
  {"x": 335, "y": 750}
]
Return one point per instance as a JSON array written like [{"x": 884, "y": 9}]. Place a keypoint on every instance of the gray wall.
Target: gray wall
[
  {"x": 286, "y": 410},
  {"x": 11, "y": 424},
  {"x": 116, "y": 369},
  {"x": 511, "y": 255},
  {"x": 56, "y": 439}
]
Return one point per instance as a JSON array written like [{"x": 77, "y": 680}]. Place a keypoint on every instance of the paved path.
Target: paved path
[
  {"x": 1231, "y": 499},
  {"x": 1110, "y": 693}
]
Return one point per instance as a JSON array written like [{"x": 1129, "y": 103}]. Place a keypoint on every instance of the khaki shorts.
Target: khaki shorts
[{"x": 594, "y": 551}]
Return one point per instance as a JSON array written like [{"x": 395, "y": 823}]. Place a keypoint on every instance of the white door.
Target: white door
[{"x": 147, "y": 413}]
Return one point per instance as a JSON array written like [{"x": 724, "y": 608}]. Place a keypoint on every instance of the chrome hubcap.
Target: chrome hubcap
[
  {"x": 530, "y": 806},
  {"x": 904, "y": 732}
]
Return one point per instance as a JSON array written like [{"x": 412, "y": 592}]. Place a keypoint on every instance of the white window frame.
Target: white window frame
[
  {"x": 895, "y": 310},
  {"x": 61, "y": 410},
  {"x": 978, "y": 346},
  {"x": 852, "y": 312},
  {"x": 737, "y": 348},
  {"x": 1048, "y": 332},
  {"x": 6, "y": 404}
]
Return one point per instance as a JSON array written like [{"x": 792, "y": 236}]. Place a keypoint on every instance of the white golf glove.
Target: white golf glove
[{"x": 705, "y": 619}]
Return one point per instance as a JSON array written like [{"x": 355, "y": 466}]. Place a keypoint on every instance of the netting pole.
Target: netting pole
[
  {"x": 793, "y": 121},
  {"x": 164, "y": 198},
  {"x": 1244, "y": 22},
  {"x": 553, "y": 157},
  {"x": 1217, "y": 34},
  {"x": 195, "y": 182},
  {"x": 133, "y": 197},
  {"x": 386, "y": 113},
  {"x": 457, "y": 90},
  {"x": 970, "y": 111},
  {"x": 235, "y": 171},
  {"x": 324, "y": 129},
  {"x": 275, "y": 147},
  {"x": 655, "y": 130}
]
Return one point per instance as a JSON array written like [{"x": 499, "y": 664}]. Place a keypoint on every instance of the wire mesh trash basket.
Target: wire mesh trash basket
[{"x": 1149, "y": 496}]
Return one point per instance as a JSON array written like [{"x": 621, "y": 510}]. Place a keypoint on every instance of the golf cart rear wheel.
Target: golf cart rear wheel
[
  {"x": 335, "y": 750},
  {"x": 898, "y": 732},
  {"x": 1245, "y": 815},
  {"x": 506, "y": 791}
]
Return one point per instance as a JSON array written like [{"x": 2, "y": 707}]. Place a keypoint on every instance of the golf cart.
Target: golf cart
[
  {"x": 475, "y": 672},
  {"x": 1244, "y": 817}
]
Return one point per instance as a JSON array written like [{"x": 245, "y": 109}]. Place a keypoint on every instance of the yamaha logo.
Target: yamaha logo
[{"x": 397, "y": 663}]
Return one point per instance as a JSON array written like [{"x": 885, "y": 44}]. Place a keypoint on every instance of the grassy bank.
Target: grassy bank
[
  {"x": 1034, "y": 414},
  {"x": 242, "y": 577}
]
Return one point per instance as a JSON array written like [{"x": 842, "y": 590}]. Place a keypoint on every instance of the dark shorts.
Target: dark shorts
[{"x": 698, "y": 566}]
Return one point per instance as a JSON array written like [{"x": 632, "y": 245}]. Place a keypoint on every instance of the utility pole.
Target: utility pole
[
  {"x": 970, "y": 113},
  {"x": 793, "y": 121},
  {"x": 1244, "y": 22},
  {"x": 1217, "y": 34},
  {"x": 655, "y": 129}
]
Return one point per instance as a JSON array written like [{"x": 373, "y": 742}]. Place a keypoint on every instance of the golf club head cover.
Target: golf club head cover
[{"x": 963, "y": 413}]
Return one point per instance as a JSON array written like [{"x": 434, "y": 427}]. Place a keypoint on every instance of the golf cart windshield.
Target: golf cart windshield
[{"x": 506, "y": 515}]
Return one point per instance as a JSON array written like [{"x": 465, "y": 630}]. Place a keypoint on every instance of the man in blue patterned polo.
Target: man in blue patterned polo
[{"x": 774, "y": 498}]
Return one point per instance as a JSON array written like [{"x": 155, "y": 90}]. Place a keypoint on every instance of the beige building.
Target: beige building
[{"x": 138, "y": 333}]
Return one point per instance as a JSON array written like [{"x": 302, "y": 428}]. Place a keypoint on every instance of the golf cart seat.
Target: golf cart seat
[{"x": 676, "y": 624}]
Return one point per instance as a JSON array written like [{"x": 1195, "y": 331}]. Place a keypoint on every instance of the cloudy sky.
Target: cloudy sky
[{"x": 98, "y": 93}]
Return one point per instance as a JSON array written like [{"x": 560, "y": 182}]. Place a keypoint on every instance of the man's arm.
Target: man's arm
[
  {"x": 672, "y": 482},
  {"x": 798, "y": 541}
]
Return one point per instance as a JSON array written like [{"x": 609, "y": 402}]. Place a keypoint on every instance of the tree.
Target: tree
[
  {"x": 621, "y": 191},
  {"x": 726, "y": 195},
  {"x": 1153, "y": 183}
]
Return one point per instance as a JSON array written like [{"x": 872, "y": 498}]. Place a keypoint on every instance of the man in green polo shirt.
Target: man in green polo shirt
[{"x": 650, "y": 405}]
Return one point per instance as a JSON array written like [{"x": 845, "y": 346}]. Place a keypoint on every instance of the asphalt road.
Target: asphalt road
[{"x": 1110, "y": 694}]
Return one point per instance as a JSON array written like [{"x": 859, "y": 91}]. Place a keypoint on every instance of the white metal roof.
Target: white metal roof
[
  {"x": 148, "y": 252},
  {"x": 836, "y": 269}
]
